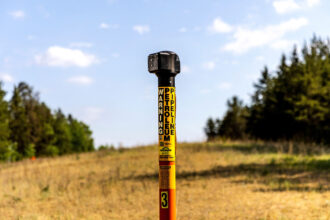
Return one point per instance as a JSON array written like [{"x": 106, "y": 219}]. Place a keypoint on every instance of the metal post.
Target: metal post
[{"x": 166, "y": 65}]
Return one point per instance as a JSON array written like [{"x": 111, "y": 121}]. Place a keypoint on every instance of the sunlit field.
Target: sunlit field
[{"x": 214, "y": 181}]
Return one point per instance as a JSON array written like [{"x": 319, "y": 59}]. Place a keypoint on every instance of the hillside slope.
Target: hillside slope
[{"x": 214, "y": 181}]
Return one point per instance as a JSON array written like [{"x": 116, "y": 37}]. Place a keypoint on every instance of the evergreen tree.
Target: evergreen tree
[
  {"x": 210, "y": 129},
  {"x": 234, "y": 122},
  {"x": 18, "y": 124},
  {"x": 30, "y": 102},
  {"x": 7, "y": 150},
  {"x": 82, "y": 140},
  {"x": 46, "y": 139},
  {"x": 29, "y": 128},
  {"x": 256, "y": 124},
  {"x": 293, "y": 104},
  {"x": 62, "y": 131}
]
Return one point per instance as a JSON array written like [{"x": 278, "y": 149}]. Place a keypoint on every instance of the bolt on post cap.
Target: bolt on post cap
[{"x": 164, "y": 62}]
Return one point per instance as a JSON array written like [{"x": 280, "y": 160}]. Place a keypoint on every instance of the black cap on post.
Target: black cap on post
[{"x": 166, "y": 65}]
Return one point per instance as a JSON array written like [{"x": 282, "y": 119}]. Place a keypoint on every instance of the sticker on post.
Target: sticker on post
[
  {"x": 166, "y": 123},
  {"x": 164, "y": 199}
]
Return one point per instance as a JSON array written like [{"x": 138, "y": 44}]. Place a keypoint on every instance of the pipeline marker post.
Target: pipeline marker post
[{"x": 166, "y": 65}]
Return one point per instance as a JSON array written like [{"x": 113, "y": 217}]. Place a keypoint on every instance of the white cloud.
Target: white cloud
[
  {"x": 285, "y": 6},
  {"x": 80, "y": 80},
  {"x": 283, "y": 44},
  {"x": 17, "y": 14},
  {"x": 92, "y": 114},
  {"x": 311, "y": 3},
  {"x": 225, "y": 86},
  {"x": 209, "y": 65},
  {"x": 219, "y": 26},
  {"x": 104, "y": 25},
  {"x": 185, "y": 69},
  {"x": 246, "y": 39},
  {"x": 6, "y": 77},
  {"x": 64, "y": 57},
  {"x": 183, "y": 30},
  {"x": 141, "y": 29},
  {"x": 81, "y": 44}
]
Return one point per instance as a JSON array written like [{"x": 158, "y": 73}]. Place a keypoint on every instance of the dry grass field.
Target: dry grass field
[{"x": 214, "y": 181}]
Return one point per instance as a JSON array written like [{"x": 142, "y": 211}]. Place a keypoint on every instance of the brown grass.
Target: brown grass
[{"x": 214, "y": 181}]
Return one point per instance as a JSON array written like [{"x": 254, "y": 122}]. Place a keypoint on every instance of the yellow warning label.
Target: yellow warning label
[
  {"x": 166, "y": 123},
  {"x": 164, "y": 199},
  {"x": 167, "y": 176}
]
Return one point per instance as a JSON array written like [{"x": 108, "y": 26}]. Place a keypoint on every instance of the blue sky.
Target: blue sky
[{"x": 89, "y": 58}]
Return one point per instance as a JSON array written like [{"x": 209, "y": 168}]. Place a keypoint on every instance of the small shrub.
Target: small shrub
[{"x": 51, "y": 151}]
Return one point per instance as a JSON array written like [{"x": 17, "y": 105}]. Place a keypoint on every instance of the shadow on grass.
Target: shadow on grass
[
  {"x": 266, "y": 148},
  {"x": 284, "y": 175}
]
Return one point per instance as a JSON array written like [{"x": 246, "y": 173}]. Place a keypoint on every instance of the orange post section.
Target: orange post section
[
  {"x": 170, "y": 212},
  {"x": 167, "y": 197}
]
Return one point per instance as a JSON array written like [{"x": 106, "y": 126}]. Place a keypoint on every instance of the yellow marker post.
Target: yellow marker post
[{"x": 166, "y": 65}]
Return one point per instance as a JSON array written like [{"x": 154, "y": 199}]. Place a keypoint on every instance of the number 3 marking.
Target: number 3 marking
[{"x": 164, "y": 200}]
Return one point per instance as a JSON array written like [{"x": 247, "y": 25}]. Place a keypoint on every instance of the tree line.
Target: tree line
[
  {"x": 292, "y": 103},
  {"x": 28, "y": 127}
]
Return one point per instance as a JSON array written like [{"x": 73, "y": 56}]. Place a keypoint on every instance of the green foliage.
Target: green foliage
[
  {"x": 51, "y": 150},
  {"x": 8, "y": 152},
  {"x": 62, "y": 130},
  {"x": 18, "y": 124},
  {"x": 210, "y": 129},
  {"x": 30, "y": 150},
  {"x": 81, "y": 136},
  {"x": 233, "y": 124},
  {"x": 29, "y": 128},
  {"x": 106, "y": 147},
  {"x": 292, "y": 104}
]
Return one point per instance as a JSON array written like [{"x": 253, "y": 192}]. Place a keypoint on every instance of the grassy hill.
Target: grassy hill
[{"x": 214, "y": 181}]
